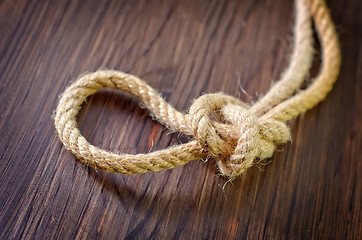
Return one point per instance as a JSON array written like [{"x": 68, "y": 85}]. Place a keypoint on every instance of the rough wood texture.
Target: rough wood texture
[{"x": 312, "y": 189}]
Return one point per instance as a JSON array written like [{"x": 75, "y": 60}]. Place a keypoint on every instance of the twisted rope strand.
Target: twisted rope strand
[
  {"x": 330, "y": 66},
  {"x": 300, "y": 63},
  {"x": 244, "y": 134}
]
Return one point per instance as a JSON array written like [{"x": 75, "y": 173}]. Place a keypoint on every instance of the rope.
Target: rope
[{"x": 246, "y": 133}]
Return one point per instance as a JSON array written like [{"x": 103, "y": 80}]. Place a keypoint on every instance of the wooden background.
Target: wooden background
[{"x": 311, "y": 188}]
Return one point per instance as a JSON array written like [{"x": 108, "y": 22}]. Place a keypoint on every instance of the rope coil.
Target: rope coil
[{"x": 245, "y": 133}]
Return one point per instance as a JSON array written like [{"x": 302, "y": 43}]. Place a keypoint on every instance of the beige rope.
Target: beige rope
[{"x": 244, "y": 134}]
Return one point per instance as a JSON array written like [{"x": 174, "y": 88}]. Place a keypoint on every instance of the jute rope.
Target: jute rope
[{"x": 244, "y": 134}]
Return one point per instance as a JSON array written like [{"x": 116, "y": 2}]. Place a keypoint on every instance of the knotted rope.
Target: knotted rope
[{"x": 244, "y": 134}]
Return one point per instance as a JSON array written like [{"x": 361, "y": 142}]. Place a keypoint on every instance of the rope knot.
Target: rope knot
[
  {"x": 238, "y": 138},
  {"x": 241, "y": 136}
]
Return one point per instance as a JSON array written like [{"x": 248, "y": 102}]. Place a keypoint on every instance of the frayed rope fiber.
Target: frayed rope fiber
[{"x": 244, "y": 134}]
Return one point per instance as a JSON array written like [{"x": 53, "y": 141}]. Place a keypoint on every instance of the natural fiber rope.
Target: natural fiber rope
[{"x": 244, "y": 134}]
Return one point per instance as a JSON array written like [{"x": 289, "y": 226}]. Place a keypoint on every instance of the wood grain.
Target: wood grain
[{"x": 312, "y": 188}]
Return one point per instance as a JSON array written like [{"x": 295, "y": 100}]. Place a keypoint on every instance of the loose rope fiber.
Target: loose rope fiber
[{"x": 244, "y": 134}]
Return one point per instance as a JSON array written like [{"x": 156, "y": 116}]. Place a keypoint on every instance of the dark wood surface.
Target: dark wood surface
[{"x": 311, "y": 188}]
